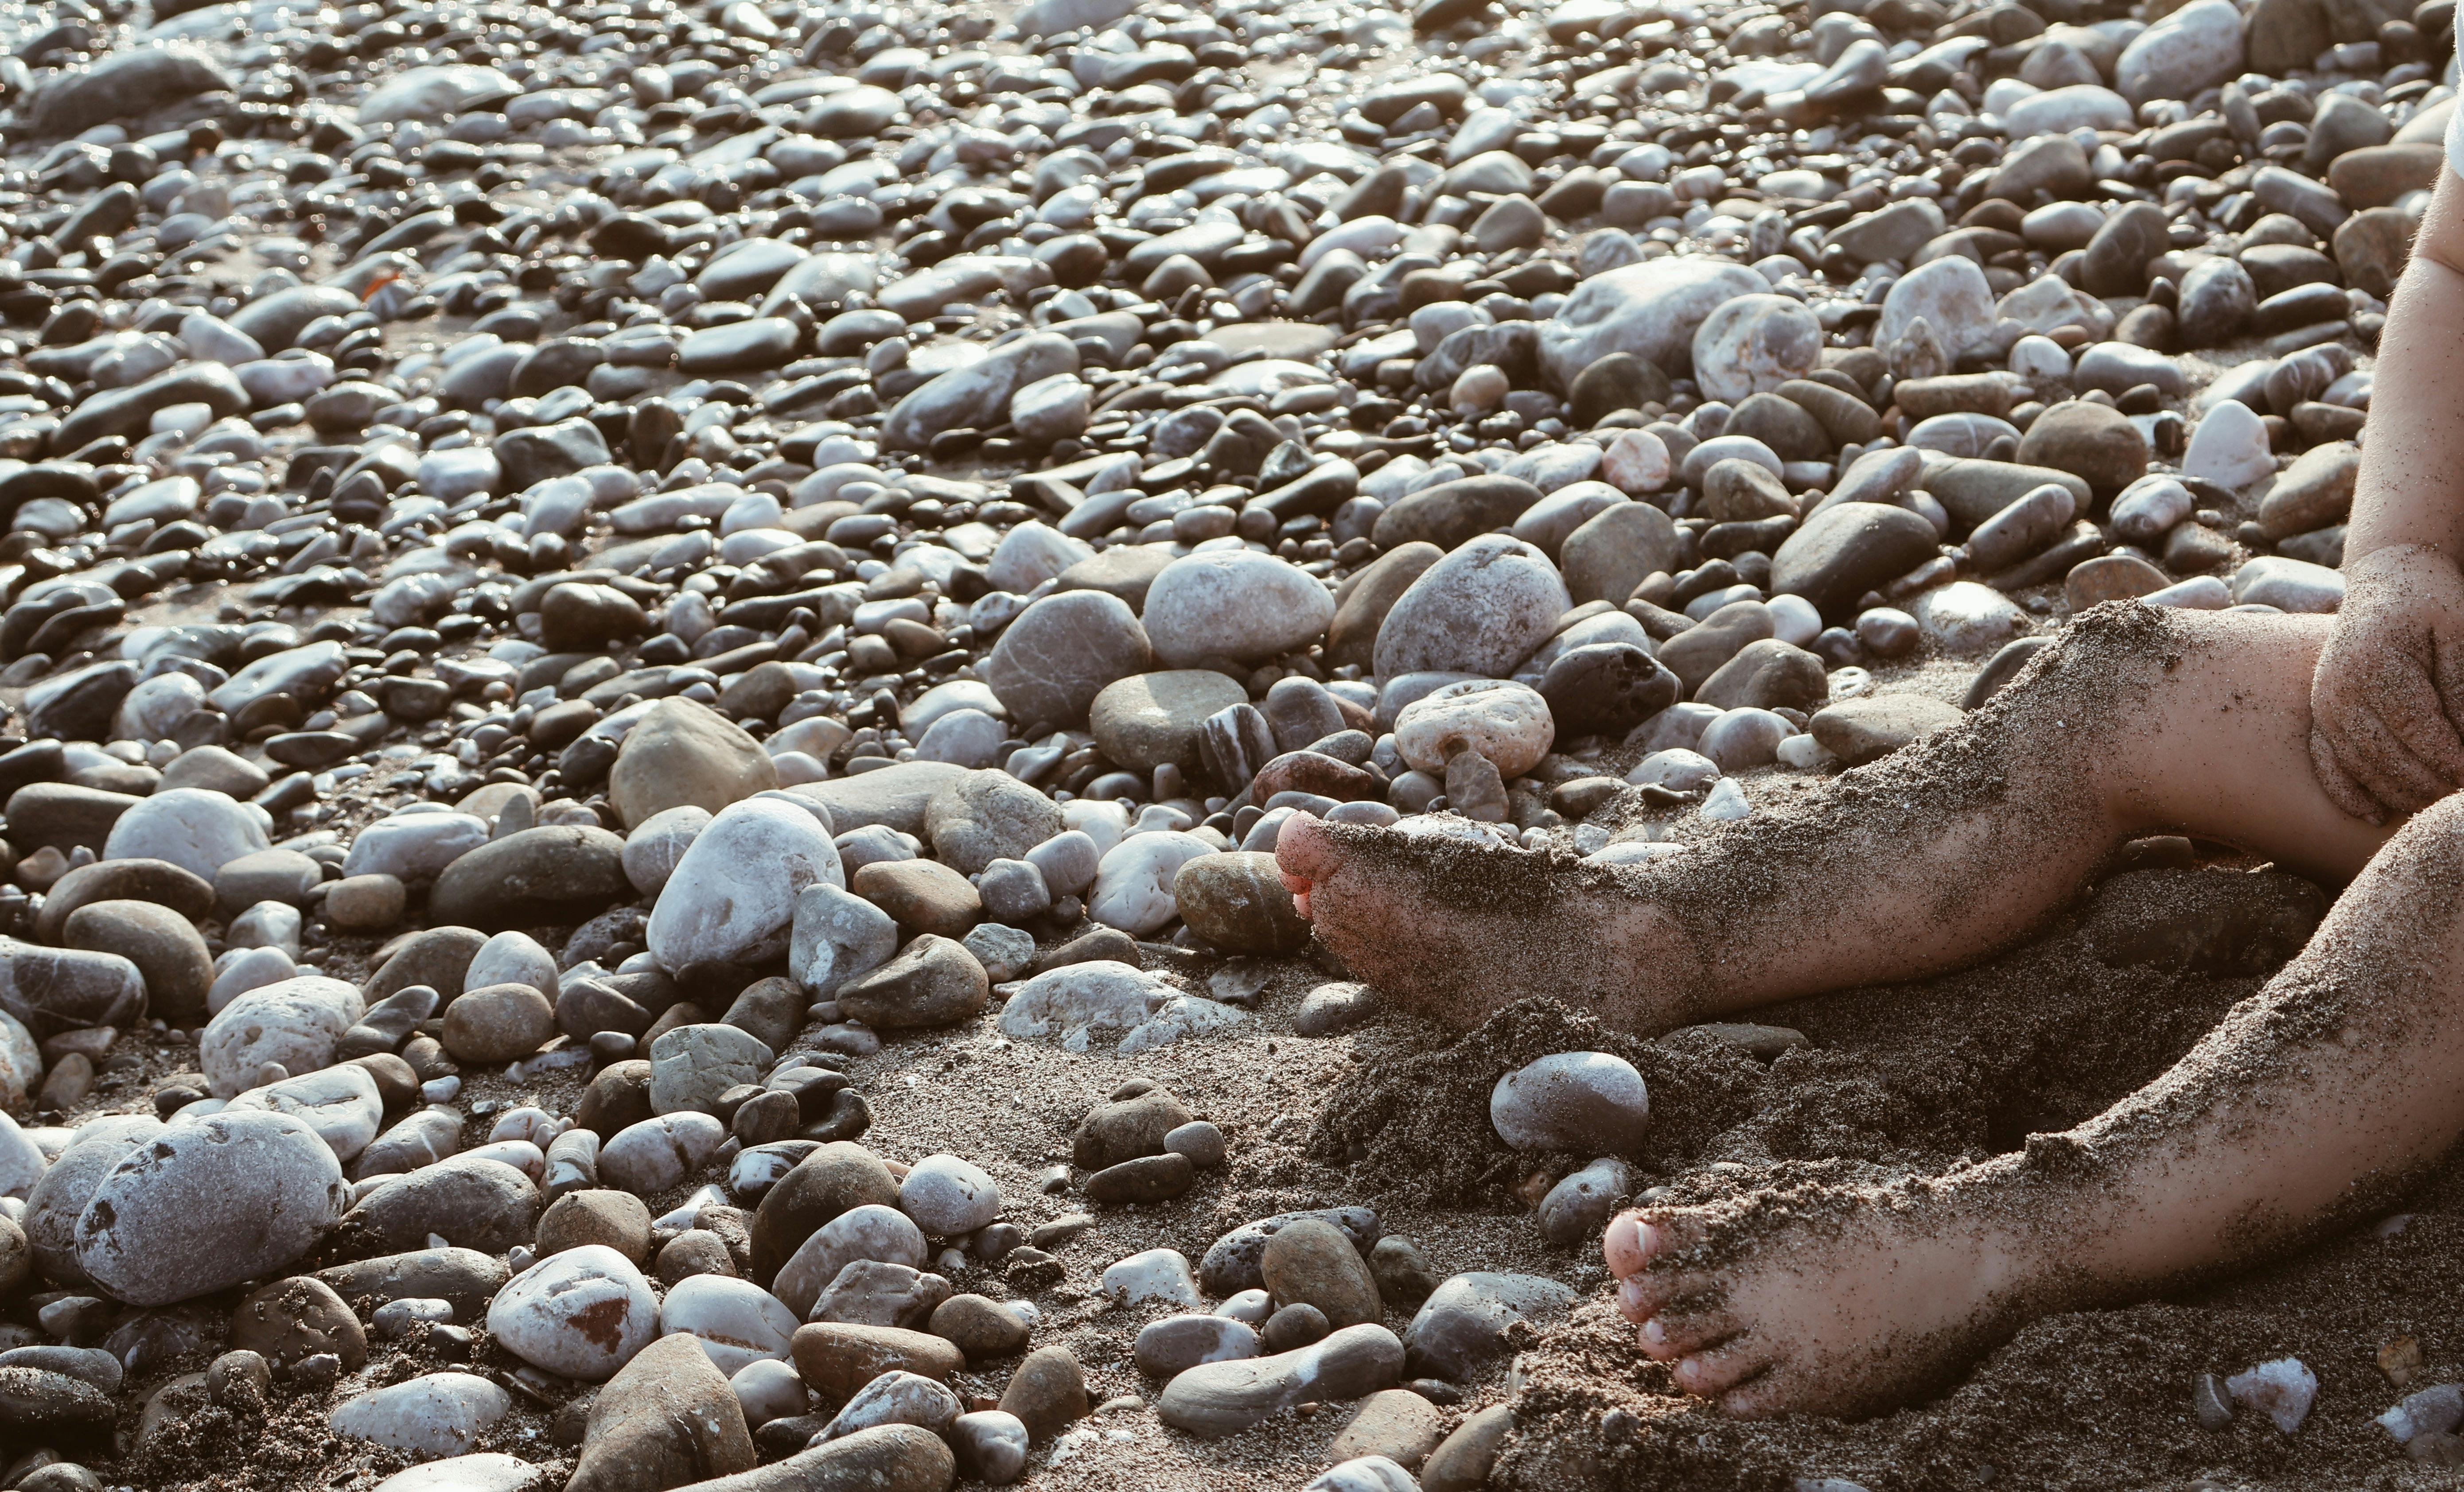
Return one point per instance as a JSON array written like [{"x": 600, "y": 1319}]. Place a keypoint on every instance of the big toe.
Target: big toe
[{"x": 1304, "y": 850}]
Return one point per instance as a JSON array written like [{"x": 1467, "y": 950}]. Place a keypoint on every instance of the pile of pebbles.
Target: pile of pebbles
[{"x": 573, "y": 576}]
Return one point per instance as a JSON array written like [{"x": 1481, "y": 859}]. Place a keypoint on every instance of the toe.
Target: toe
[
  {"x": 1679, "y": 1333},
  {"x": 1715, "y": 1371},
  {"x": 1643, "y": 1296},
  {"x": 1304, "y": 851},
  {"x": 1621, "y": 1246}
]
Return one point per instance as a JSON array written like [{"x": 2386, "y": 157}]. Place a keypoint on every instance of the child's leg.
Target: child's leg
[
  {"x": 2312, "y": 1105},
  {"x": 2137, "y": 720}
]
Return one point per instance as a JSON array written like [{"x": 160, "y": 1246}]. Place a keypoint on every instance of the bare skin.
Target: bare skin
[
  {"x": 2315, "y": 1101},
  {"x": 2194, "y": 723},
  {"x": 2388, "y": 696}
]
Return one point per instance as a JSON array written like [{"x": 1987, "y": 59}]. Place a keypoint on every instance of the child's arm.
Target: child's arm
[{"x": 2389, "y": 690}]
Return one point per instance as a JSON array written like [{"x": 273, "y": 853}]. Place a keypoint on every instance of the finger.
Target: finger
[
  {"x": 2393, "y": 775},
  {"x": 2447, "y": 676},
  {"x": 2406, "y": 701},
  {"x": 2339, "y": 785},
  {"x": 2425, "y": 784}
]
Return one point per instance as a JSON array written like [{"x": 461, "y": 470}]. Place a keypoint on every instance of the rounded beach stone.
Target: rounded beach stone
[
  {"x": 1047, "y": 1391},
  {"x": 263, "y": 1185},
  {"x": 1313, "y": 1263},
  {"x": 194, "y": 828},
  {"x": 1508, "y": 723},
  {"x": 1589, "y": 1102},
  {"x": 1234, "y": 604},
  {"x": 732, "y": 898},
  {"x": 440, "y": 1414},
  {"x": 295, "y": 1318},
  {"x": 1480, "y": 610},
  {"x": 833, "y": 1179},
  {"x": 932, "y": 982},
  {"x": 737, "y": 1321},
  {"x": 579, "y": 1314},
  {"x": 949, "y": 1198},
  {"x": 1144, "y": 722},
  {"x": 497, "y": 1023},
  {"x": 986, "y": 816},
  {"x": 598, "y": 1215},
  {"x": 1238, "y": 902},
  {"x": 297, "y": 1023},
  {"x": 981, "y": 1327},
  {"x": 1755, "y": 344},
  {"x": 2091, "y": 441},
  {"x": 691, "y": 1066},
  {"x": 1062, "y": 651}
]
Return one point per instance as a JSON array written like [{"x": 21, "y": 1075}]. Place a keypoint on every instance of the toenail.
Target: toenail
[{"x": 1654, "y": 1333}]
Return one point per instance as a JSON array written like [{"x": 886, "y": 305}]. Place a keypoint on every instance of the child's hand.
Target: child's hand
[{"x": 2390, "y": 686}]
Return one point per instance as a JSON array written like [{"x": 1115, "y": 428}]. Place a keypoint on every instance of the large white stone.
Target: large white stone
[
  {"x": 296, "y": 1022},
  {"x": 1234, "y": 604},
  {"x": 2288, "y": 585},
  {"x": 732, "y": 898},
  {"x": 1077, "y": 1002},
  {"x": 341, "y": 1104},
  {"x": 737, "y": 1321},
  {"x": 652, "y": 1156},
  {"x": 1967, "y": 618},
  {"x": 582, "y": 1313},
  {"x": 2197, "y": 47},
  {"x": 1032, "y": 553},
  {"x": 2230, "y": 448},
  {"x": 1651, "y": 309},
  {"x": 443, "y": 1414},
  {"x": 1951, "y": 293},
  {"x": 489, "y": 1471},
  {"x": 1508, "y": 723},
  {"x": 1755, "y": 344},
  {"x": 195, "y": 828},
  {"x": 207, "y": 1204},
  {"x": 948, "y": 1197},
  {"x": 836, "y": 935},
  {"x": 435, "y": 93},
  {"x": 415, "y": 847},
  {"x": 1133, "y": 882}
]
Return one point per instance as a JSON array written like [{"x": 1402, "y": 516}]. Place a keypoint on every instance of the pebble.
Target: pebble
[
  {"x": 541, "y": 543},
  {"x": 737, "y": 1321},
  {"x": 442, "y": 1413},
  {"x": 583, "y": 1313},
  {"x": 1156, "y": 1275},
  {"x": 262, "y": 1181},
  {"x": 1168, "y": 1348},
  {"x": 1223, "y": 1398},
  {"x": 872, "y": 1232},
  {"x": 1465, "y": 1320},
  {"x": 1313, "y": 1263},
  {"x": 734, "y": 896},
  {"x": 1573, "y": 1101}
]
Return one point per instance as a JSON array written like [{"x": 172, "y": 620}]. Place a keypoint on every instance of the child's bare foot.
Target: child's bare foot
[
  {"x": 1459, "y": 931},
  {"x": 1848, "y": 1307}
]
